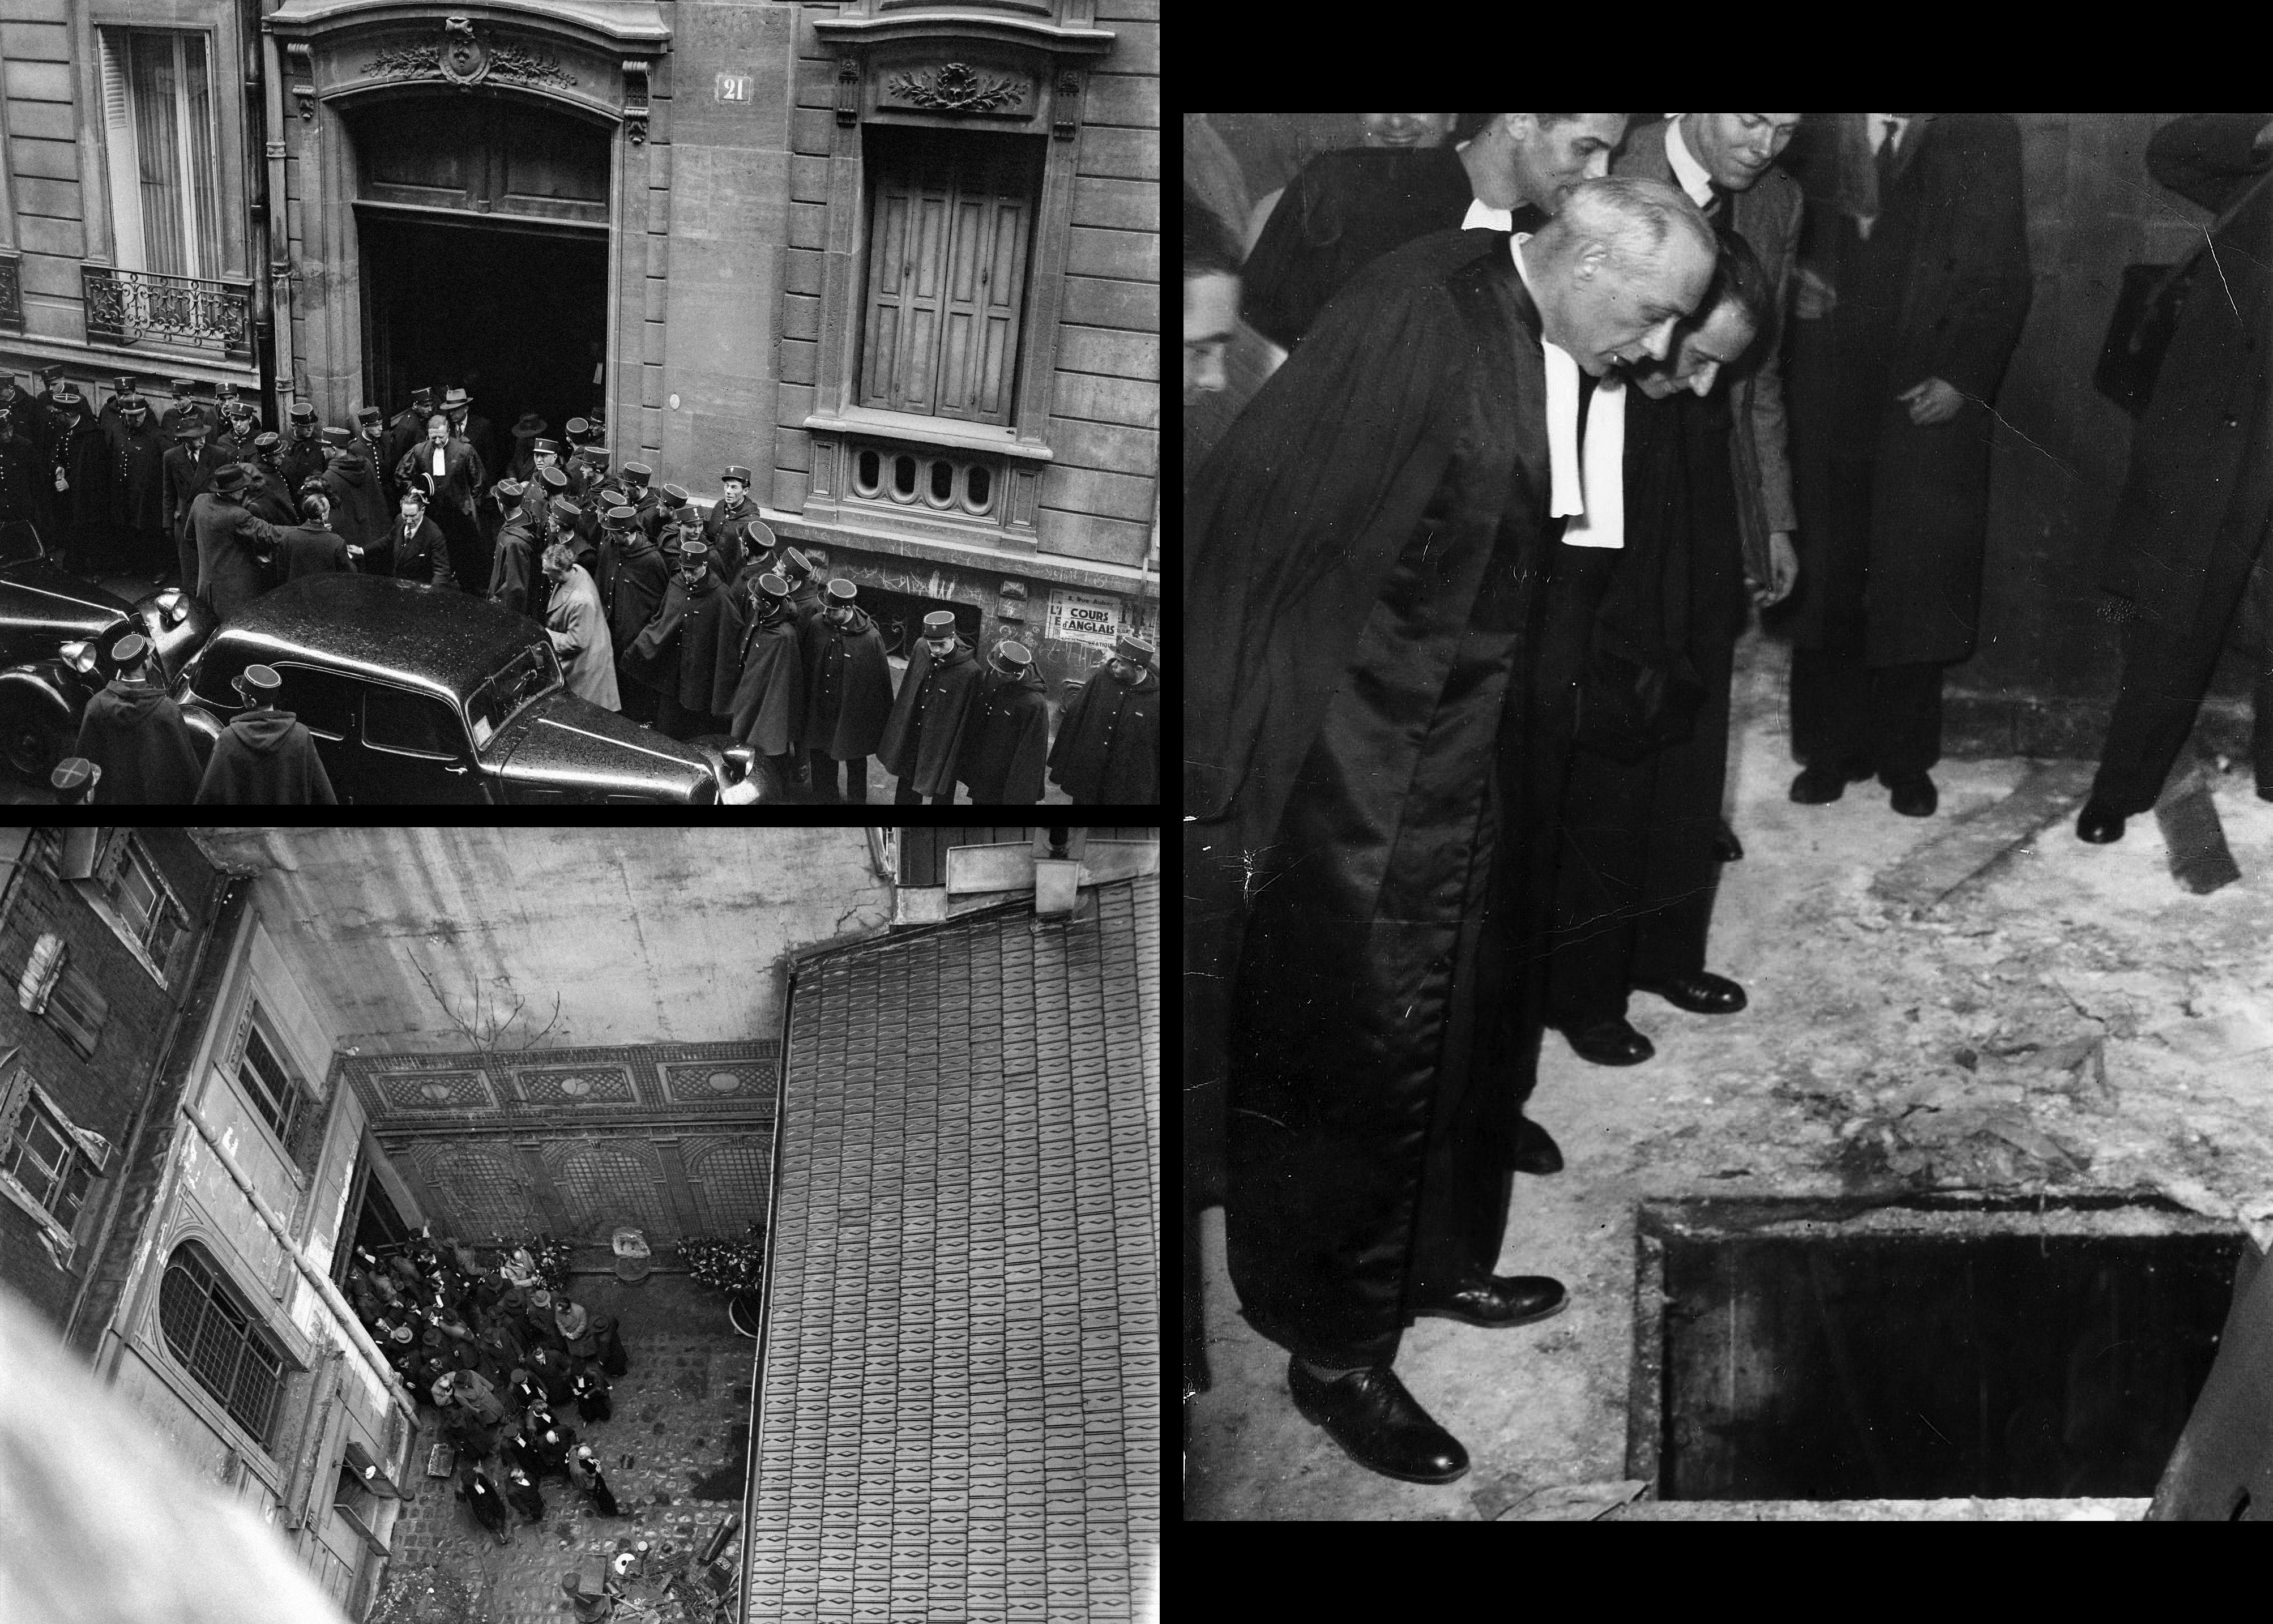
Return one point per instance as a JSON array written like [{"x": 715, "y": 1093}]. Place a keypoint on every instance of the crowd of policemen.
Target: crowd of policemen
[
  {"x": 499, "y": 1355},
  {"x": 694, "y": 622}
]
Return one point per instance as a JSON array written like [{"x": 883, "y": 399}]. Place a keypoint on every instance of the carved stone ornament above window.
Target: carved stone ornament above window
[
  {"x": 464, "y": 59},
  {"x": 956, "y": 88}
]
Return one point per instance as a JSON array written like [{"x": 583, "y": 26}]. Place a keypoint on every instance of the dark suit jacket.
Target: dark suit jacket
[
  {"x": 2201, "y": 460},
  {"x": 1346, "y": 209},
  {"x": 421, "y": 556},
  {"x": 186, "y": 476},
  {"x": 1766, "y": 216}
]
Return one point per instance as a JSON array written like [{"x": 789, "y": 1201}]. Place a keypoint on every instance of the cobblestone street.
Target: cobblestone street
[{"x": 674, "y": 1452}]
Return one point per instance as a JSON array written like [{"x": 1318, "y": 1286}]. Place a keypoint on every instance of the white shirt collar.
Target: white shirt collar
[
  {"x": 1566, "y": 494},
  {"x": 1483, "y": 216},
  {"x": 1686, "y": 169}
]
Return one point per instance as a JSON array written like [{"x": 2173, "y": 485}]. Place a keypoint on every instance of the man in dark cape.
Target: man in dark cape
[
  {"x": 1363, "y": 549},
  {"x": 513, "y": 559},
  {"x": 265, "y": 757},
  {"x": 24, "y": 484},
  {"x": 632, "y": 576},
  {"x": 924, "y": 733},
  {"x": 265, "y": 493},
  {"x": 726, "y": 526},
  {"x": 848, "y": 696},
  {"x": 137, "y": 459},
  {"x": 1008, "y": 738},
  {"x": 351, "y": 485},
  {"x": 136, "y": 735},
  {"x": 1108, "y": 746},
  {"x": 686, "y": 653},
  {"x": 768, "y": 702},
  {"x": 81, "y": 463},
  {"x": 303, "y": 455}
]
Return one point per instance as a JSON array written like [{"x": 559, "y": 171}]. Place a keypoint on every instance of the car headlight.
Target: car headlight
[
  {"x": 173, "y": 606},
  {"x": 79, "y": 656},
  {"x": 744, "y": 758}
]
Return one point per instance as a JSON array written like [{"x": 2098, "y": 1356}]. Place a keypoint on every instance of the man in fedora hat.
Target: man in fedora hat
[
  {"x": 265, "y": 757},
  {"x": 686, "y": 653},
  {"x": 1108, "y": 744},
  {"x": 303, "y": 455},
  {"x": 189, "y": 465},
  {"x": 136, "y": 735},
  {"x": 848, "y": 696},
  {"x": 465, "y": 424},
  {"x": 1008, "y": 738},
  {"x": 138, "y": 460},
  {"x": 768, "y": 702},
  {"x": 923, "y": 734},
  {"x": 233, "y": 543},
  {"x": 80, "y": 472},
  {"x": 632, "y": 579},
  {"x": 404, "y": 429}
]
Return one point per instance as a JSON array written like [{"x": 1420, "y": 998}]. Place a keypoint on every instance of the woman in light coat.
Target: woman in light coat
[{"x": 578, "y": 628}]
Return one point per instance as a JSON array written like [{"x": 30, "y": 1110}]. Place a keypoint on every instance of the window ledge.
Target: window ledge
[
  {"x": 916, "y": 430},
  {"x": 53, "y": 1236}
]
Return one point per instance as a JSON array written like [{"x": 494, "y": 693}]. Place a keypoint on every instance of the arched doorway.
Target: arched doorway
[{"x": 482, "y": 222}]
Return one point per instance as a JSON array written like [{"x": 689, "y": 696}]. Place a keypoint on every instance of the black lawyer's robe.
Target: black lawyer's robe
[{"x": 1361, "y": 553}]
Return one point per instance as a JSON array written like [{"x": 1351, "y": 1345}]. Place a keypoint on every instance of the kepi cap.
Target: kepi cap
[
  {"x": 737, "y": 471},
  {"x": 73, "y": 773},
  {"x": 263, "y": 678},
  {"x": 552, "y": 479},
  {"x": 302, "y": 412},
  {"x": 266, "y": 440},
  {"x": 638, "y": 473},
  {"x": 842, "y": 590},
  {"x": 939, "y": 623},
  {"x": 1134, "y": 648},
  {"x": 130, "y": 648},
  {"x": 694, "y": 547},
  {"x": 773, "y": 586},
  {"x": 368, "y": 414},
  {"x": 548, "y": 445},
  {"x": 1013, "y": 654}
]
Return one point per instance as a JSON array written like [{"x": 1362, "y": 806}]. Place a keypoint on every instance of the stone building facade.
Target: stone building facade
[{"x": 902, "y": 262}]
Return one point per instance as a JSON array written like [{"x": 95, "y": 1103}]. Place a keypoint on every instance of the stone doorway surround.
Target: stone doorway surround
[{"x": 335, "y": 56}]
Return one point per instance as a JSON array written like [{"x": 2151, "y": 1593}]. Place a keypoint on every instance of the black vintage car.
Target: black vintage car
[
  {"x": 57, "y": 630},
  {"x": 421, "y": 694}
]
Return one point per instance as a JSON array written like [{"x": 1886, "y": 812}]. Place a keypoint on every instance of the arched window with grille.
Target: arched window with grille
[{"x": 217, "y": 1341}]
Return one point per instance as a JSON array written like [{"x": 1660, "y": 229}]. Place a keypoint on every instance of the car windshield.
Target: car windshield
[
  {"x": 529, "y": 675},
  {"x": 19, "y": 544}
]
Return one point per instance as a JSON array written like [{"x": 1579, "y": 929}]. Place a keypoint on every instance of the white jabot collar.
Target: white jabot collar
[
  {"x": 1602, "y": 460},
  {"x": 1567, "y": 489},
  {"x": 1483, "y": 214}
]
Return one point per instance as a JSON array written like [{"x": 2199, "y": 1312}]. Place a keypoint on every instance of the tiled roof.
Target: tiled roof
[{"x": 959, "y": 1404}]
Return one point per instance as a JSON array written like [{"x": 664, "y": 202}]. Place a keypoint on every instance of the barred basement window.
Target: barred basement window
[{"x": 218, "y": 1342}]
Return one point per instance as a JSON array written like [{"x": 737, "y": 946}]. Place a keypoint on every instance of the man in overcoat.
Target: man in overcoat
[
  {"x": 925, "y": 731},
  {"x": 686, "y": 652},
  {"x": 190, "y": 466},
  {"x": 1918, "y": 240},
  {"x": 136, "y": 735},
  {"x": 1108, "y": 743},
  {"x": 82, "y": 476},
  {"x": 2192, "y": 520},
  {"x": 234, "y": 544},
  {"x": 1362, "y": 551},
  {"x": 267, "y": 757}
]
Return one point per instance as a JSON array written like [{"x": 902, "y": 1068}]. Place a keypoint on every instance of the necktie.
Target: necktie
[
  {"x": 1716, "y": 208},
  {"x": 1887, "y": 161}
]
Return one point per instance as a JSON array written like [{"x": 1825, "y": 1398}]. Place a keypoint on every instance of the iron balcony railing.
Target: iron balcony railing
[
  {"x": 127, "y": 307},
  {"x": 11, "y": 291}
]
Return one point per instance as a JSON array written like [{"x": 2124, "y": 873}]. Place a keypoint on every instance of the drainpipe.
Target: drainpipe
[{"x": 272, "y": 294}]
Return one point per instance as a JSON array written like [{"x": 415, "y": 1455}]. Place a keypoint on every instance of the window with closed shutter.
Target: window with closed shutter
[
  {"x": 77, "y": 1008},
  {"x": 950, "y": 219}
]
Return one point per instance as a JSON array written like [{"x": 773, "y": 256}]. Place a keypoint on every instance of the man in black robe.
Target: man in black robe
[
  {"x": 1362, "y": 551},
  {"x": 1351, "y": 205},
  {"x": 925, "y": 731},
  {"x": 1008, "y": 739},
  {"x": 1108, "y": 746},
  {"x": 1636, "y": 864},
  {"x": 848, "y": 696},
  {"x": 405, "y": 429},
  {"x": 136, "y": 735}
]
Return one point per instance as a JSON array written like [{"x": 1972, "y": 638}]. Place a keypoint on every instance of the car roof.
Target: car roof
[{"x": 434, "y": 635}]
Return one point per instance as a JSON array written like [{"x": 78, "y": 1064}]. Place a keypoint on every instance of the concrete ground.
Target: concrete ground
[
  {"x": 1885, "y": 1051},
  {"x": 681, "y": 1414}
]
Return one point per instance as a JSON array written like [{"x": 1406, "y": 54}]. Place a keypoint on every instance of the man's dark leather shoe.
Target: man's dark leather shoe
[
  {"x": 1378, "y": 1424},
  {"x": 2097, "y": 824},
  {"x": 1703, "y": 993},
  {"x": 1611, "y": 1043},
  {"x": 1726, "y": 847},
  {"x": 1535, "y": 1150},
  {"x": 1913, "y": 795},
  {"x": 1498, "y": 1301},
  {"x": 1816, "y": 785}
]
